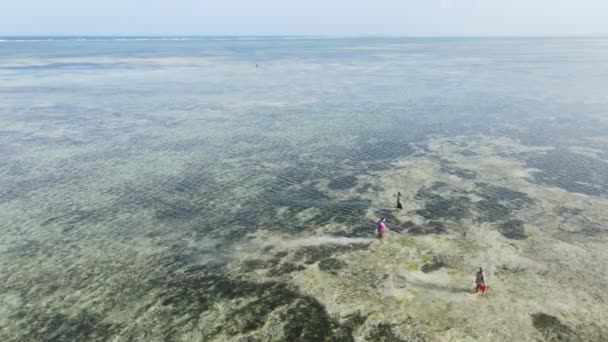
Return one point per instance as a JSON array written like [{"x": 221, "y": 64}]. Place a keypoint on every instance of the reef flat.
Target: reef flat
[{"x": 172, "y": 191}]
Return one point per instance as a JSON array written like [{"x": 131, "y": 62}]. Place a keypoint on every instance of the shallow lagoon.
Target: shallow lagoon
[{"x": 170, "y": 190}]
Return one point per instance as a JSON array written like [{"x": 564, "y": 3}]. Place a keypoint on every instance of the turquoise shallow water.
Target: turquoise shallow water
[{"x": 127, "y": 161}]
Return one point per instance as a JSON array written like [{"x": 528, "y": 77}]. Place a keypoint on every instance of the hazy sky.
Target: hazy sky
[{"x": 304, "y": 17}]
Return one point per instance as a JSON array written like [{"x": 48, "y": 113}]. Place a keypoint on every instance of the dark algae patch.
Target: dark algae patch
[
  {"x": 38, "y": 325},
  {"x": 442, "y": 203},
  {"x": 506, "y": 196},
  {"x": 431, "y": 227},
  {"x": 438, "y": 206},
  {"x": 343, "y": 183},
  {"x": 331, "y": 265},
  {"x": 256, "y": 264},
  {"x": 383, "y": 332},
  {"x": 449, "y": 168},
  {"x": 313, "y": 254},
  {"x": 388, "y": 214},
  {"x": 435, "y": 264},
  {"x": 572, "y": 172},
  {"x": 364, "y": 188},
  {"x": 467, "y": 153},
  {"x": 445, "y": 208},
  {"x": 498, "y": 202},
  {"x": 261, "y": 212},
  {"x": 513, "y": 229},
  {"x": 199, "y": 289},
  {"x": 285, "y": 268},
  {"x": 353, "y": 321},
  {"x": 552, "y": 329}
]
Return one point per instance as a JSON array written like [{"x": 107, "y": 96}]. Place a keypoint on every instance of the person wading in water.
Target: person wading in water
[
  {"x": 399, "y": 206},
  {"x": 480, "y": 281},
  {"x": 382, "y": 228}
]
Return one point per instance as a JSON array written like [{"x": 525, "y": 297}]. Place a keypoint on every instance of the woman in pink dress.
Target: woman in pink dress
[{"x": 382, "y": 228}]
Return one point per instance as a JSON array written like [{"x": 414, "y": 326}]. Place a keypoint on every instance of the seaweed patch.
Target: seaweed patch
[
  {"x": 498, "y": 202},
  {"x": 551, "y": 328},
  {"x": 439, "y": 207},
  {"x": 384, "y": 332},
  {"x": 451, "y": 169},
  {"x": 313, "y": 254},
  {"x": 436, "y": 263},
  {"x": 195, "y": 293},
  {"x": 331, "y": 265},
  {"x": 343, "y": 183},
  {"x": 431, "y": 227},
  {"x": 513, "y": 229},
  {"x": 39, "y": 325},
  {"x": 572, "y": 172}
]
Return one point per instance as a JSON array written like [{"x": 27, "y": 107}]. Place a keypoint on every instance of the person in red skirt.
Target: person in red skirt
[{"x": 480, "y": 281}]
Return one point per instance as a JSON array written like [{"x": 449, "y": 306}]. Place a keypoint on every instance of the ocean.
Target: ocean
[{"x": 228, "y": 188}]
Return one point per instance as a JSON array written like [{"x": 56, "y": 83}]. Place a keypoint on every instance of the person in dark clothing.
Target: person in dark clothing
[{"x": 399, "y": 206}]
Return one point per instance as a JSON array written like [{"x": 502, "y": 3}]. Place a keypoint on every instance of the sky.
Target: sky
[{"x": 305, "y": 17}]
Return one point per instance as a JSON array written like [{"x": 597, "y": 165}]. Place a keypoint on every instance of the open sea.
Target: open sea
[{"x": 228, "y": 189}]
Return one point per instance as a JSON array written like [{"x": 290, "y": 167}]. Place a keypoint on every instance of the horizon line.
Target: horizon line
[{"x": 296, "y": 36}]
